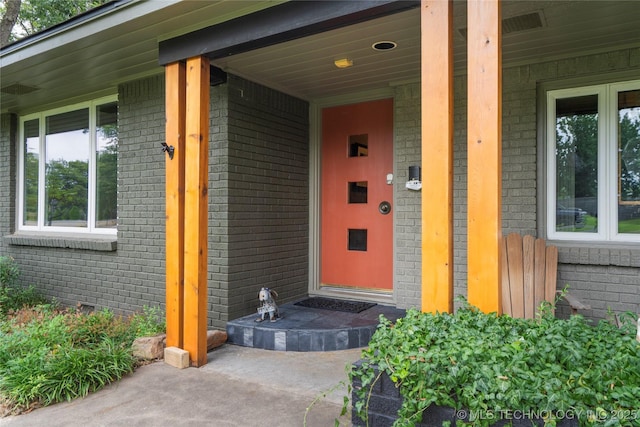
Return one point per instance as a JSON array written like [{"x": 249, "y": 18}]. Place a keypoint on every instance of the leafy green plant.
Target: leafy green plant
[
  {"x": 87, "y": 330},
  {"x": 48, "y": 355},
  {"x": 13, "y": 299},
  {"x": 9, "y": 271},
  {"x": 148, "y": 323},
  {"x": 490, "y": 364},
  {"x": 12, "y": 296}
]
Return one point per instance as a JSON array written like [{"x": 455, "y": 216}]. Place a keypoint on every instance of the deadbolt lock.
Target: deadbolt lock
[{"x": 384, "y": 207}]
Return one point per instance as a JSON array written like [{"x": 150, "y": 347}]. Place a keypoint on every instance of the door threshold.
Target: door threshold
[{"x": 381, "y": 297}]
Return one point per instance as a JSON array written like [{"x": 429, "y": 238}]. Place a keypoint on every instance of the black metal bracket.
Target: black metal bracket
[{"x": 168, "y": 149}]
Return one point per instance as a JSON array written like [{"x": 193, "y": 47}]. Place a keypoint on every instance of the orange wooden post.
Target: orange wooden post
[
  {"x": 196, "y": 200},
  {"x": 484, "y": 149},
  {"x": 174, "y": 173},
  {"x": 437, "y": 155}
]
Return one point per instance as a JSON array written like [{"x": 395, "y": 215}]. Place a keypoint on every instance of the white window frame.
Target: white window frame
[
  {"x": 91, "y": 209},
  {"x": 607, "y": 163}
]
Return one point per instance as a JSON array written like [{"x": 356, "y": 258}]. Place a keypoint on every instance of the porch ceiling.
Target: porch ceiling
[
  {"x": 305, "y": 67},
  {"x": 96, "y": 62},
  {"x": 90, "y": 58}
]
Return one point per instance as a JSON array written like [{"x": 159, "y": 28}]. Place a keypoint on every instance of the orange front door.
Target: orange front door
[{"x": 357, "y": 212}]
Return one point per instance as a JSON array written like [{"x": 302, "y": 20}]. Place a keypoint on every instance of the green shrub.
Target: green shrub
[
  {"x": 47, "y": 355},
  {"x": 14, "y": 298},
  {"x": 9, "y": 271},
  {"x": 489, "y": 364},
  {"x": 87, "y": 330},
  {"x": 73, "y": 372},
  {"x": 149, "y": 323}
]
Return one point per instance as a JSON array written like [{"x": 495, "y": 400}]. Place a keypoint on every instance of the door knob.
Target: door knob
[{"x": 384, "y": 207}]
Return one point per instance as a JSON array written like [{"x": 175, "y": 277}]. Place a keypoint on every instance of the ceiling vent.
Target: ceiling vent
[
  {"x": 529, "y": 21},
  {"x": 18, "y": 89}
]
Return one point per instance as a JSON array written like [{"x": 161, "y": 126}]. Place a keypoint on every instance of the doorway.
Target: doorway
[{"x": 356, "y": 225}]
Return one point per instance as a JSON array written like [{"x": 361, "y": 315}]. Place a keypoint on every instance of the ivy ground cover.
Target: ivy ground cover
[{"x": 492, "y": 366}]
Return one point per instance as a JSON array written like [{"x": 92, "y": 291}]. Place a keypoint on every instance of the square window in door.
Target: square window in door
[
  {"x": 357, "y": 240},
  {"x": 358, "y": 192},
  {"x": 358, "y": 145}
]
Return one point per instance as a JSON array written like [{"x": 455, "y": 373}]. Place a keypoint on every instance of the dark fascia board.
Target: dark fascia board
[
  {"x": 277, "y": 24},
  {"x": 216, "y": 76}
]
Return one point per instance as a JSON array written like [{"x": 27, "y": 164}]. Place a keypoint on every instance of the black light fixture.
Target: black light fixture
[
  {"x": 414, "y": 173},
  {"x": 168, "y": 149},
  {"x": 415, "y": 179}
]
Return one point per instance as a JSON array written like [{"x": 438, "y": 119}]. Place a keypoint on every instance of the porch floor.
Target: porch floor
[{"x": 309, "y": 329}]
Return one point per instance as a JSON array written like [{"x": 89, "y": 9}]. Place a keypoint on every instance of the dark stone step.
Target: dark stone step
[{"x": 309, "y": 329}]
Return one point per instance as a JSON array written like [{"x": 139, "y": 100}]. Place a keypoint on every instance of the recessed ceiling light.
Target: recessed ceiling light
[
  {"x": 343, "y": 63},
  {"x": 384, "y": 45}
]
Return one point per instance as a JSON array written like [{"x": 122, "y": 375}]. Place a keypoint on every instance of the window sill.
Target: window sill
[{"x": 108, "y": 243}]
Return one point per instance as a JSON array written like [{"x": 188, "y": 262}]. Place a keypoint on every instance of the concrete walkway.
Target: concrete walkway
[{"x": 239, "y": 386}]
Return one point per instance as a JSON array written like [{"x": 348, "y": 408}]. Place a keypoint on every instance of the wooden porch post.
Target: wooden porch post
[
  {"x": 484, "y": 149},
  {"x": 437, "y": 155},
  {"x": 196, "y": 203},
  {"x": 187, "y": 177},
  {"x": 174, "y": 185}
]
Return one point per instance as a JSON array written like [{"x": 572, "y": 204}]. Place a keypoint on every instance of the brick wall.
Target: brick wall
[
  {"x": 258, "y": 203},
  {"x": 407, "y": 206},
  {"x": 133, "y": 275},
  {"x": 408, "y": 222},
  {"x": 604, "y": 277},
  {"x": 141, "y": 202},
  {"x": 268, "y": 195},
  {"x": 258, "y": 180},
  {"x": 218, "y": 242},
  {"x": 8, "y": 165}
]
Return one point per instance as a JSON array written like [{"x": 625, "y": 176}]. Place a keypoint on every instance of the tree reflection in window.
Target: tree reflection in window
[
  {"x": 31, "y": 162},
  {"x": 629, "y": 150},
  {"x": 576, "y": 162},
  {"x": 107, "y": 165},
  {"x": 67, "y": 169},
  {"x": 629, "y": 161}
]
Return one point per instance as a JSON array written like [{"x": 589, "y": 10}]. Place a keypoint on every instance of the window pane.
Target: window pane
[
  {"x": 31, "y": 159},
  {"x": 629, "y": 161},
  {"x": 67, "y": 169},
  {"x": 358, "y": 145},
  {"x": 107, "y": 165},
  {"x": 577, "y": 164},
  {"x": 358, "y": 192},
  {"x": 357, "y": 240}
]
